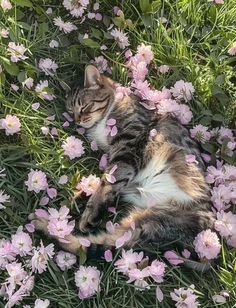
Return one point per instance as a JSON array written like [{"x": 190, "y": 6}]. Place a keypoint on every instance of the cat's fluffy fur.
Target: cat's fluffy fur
[{"x": 169, "y": 196}]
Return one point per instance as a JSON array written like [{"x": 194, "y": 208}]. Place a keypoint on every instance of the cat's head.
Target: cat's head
[{"x": 89, "y": 104}]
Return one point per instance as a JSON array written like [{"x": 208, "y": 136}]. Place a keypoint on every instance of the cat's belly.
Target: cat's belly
[{"x": 154, "y": 186}]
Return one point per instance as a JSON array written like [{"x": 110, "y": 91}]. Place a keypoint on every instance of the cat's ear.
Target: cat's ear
[{"x": 92, "y": 76}]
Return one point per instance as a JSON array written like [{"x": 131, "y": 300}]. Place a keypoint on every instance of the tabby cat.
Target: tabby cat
[{"x": 169, "y": 196}]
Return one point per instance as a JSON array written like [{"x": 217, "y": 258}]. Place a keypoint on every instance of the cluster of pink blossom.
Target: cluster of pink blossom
[
  {"x": 73, "y": 147},
  {"x": 19, "y": 276},
  {"x": 88, "y": 185},
  {"x": 185, "y": 297},
  {"x": 11, "y": 124},
  {"x": 134, "y": 266}
]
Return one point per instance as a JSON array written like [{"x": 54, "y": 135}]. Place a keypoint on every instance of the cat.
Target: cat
[{"x": 168, "y": 196}]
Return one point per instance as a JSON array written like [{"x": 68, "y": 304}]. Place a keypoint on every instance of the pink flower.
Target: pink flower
[
  {"x": 167, "y": 106},
  {"x": 45, "y": 130},
  {"x": 120, "y": 37},
  {"x": 110, "y": 227},
  {"x": 232, "y": 49},
  {"x": 16, "y": 52},
  {"x": 16, "y": 273},
  {"x": 224, "y": 133},
  {"x": 102, "y": 64},
  {"x": 3, "y": 198},
  {"x": 200, "y": 133},
  {"x": 52, "y": 192},
  {"x": 173, "y": 258},
  {"x": 84, "y": 242},
  {"x": 109, "y": 176},
  {"x": 93, "y": 145},
  {"x": 11, "y": 124},
  {"x": 207, "y": 244},
  {"x": 41, "y": 257},
  {"x": 103, "y": 162},
  {"x": 206, "y": 157},
  {"x": 140, "y": 71},
  {"x": 22, "y": 242},
  {"x": 35, "y": 106},
  {"x": 159, "y": 294},
  {"x": 65, "y": 260},
  {"x": 138, "y": 276},
  {"x": 48, "y": 66},
  {"x": 14, "y": 87},
  {"x": 190, "y": 158},
  {"x": 60, "y": 228},
  {"x": 87, "y": 279},
  {"x": 67, "y": 27},
  {"x": 73, "y": 147},
  {"x": 76, "y": 8},
  {"x": 41, "y": 213},
  {"x": 4, "y": 33},
  {"x": 29, "y": 82},
  {"x": 217, "y": 298},
  {"x": 183, "y": 90},
  {"x": 62, "y": 214},
  {"x": 128, "y": 261},
  {"x": 37, "y": 181},
  {"x": 184, "y": 298},
  {"x": 6, "y": 5},
  {"x": 30, "y": 228},
  {"x": 221, "y": 197},
  {"x": 111, "y": 128},
  {"x": 44, "y": 201},
  {"x": 186, "y": 253},
  {"x": 121, "y": 92},
  {"x": 184, "y": 114},
  {"x": 89, "y": 184},
  {"x": 123, "y": 239},
  {"x": 42, "y": 90},
  {"x": 39, "y": 303},
  {"x": 63, "y": 179},
  {"x": 144, "y": 53},
  {"x": 226, "y": 224},
  {"x": 157, "y": 270},
  {"x": 163, "y": 69},
  {"x": 108, "y": 255}
]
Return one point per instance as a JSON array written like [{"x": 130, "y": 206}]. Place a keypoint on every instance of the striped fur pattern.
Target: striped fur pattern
[{"x": 168, "y": 196}]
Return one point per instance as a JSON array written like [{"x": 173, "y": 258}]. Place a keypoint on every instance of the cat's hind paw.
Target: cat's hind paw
[{"x": 38, "y": 222}]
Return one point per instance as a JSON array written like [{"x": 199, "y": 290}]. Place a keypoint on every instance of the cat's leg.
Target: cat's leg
[{"x": 105, "y": 195}]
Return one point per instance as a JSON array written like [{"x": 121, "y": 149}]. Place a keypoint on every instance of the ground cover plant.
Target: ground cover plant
[{"x": 178, "y": 55}]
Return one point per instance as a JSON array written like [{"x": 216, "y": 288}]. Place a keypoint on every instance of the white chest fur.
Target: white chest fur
[
  {"x": 98, "y": 134},
  {"x": 155, "y": 188}
]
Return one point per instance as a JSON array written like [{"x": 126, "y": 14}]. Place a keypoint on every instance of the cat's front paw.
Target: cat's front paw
[
  {"x": 88, "y": 220},
  {"x": 39, "y": 223}
]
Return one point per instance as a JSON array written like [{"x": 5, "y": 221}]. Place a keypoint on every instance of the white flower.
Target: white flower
[
  {"x": 53, "y": 44},
  {"x": 3, "y": 198},
  {"x": 4, "y": 33},
  {"x": 120, "y": 37},
  {"x": 16, "y": 52},
  {"x": 67, "y": 27},
  {"x": 5, "y": 4},
  {"x": 28, "y": 82},
  {"x": 41, "y": 89},
  {"x": 39, "y": 303},
  {"x": 48, "y": 66}
]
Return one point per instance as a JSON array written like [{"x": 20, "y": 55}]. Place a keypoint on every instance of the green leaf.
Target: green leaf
[
  {"x": 209, "y": 147},
  {"x": 145, "y": 6},
  {"x": 82, "y": 256},
  {"x": 24, "y": 3},
  {"x": 96, "y": 33},
  {"x": 21, "y": 76},
  {"x": 90, "y": 43},
  {"x": 218, "y": 118},
  {"x": 12, "y": 68}
]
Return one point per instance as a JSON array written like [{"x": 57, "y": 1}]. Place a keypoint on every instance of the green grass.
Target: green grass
[{"x": 194, "y": 44}]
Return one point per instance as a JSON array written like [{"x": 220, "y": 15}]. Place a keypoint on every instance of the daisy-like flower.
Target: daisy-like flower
[
  {"x": 89, "y": 184},
  {"x": 184, "y": 114},
  {"x": 22, "y": 242},
  {"x": 40, "y": 258},
  {"x": 66, "y": 27},
  {"x": 221, "y": 197},
  {"x": 200, "y": 133},
  {"x": 87, "y": 279},
  {"x": 226, "y": 224},
  {"x": 42, "y": 90},
  {"x": 11, "y": 124},
  {"x": 16, "y": 52},
  {"x": 120, "y": 37},
  {"x": 16, "y": 272},
  {"x": 102, "y": 64},
  {"x": 207, "y": 244},
  {"x": 76, "y": 8},
  {"x": 232, "y": 49},
  {"x": 157, "y": 270},
  {"x": 48, "y": 66},
  {"x": 183, "y": 90},
  {"x": 4, "y": 33},
  {"x": 138, "y": 276},
  {"x": 37, "y": 181},
  {"x": 60, "y": 228},
  {"x": 3, "y": 198},
  {"x": 39, "y": 303},
  {"x": 5, "y": 4},
  {"x": 54, "y": 44},
  {"x": 73, "y": 147},
  {"x": 128, "y": 261},
  {"x": 144, "y": 53},
  {"x": 29, "y": 82},
  {"x": 185, "y": 298},
  {"x": 65, "y": 260}
]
